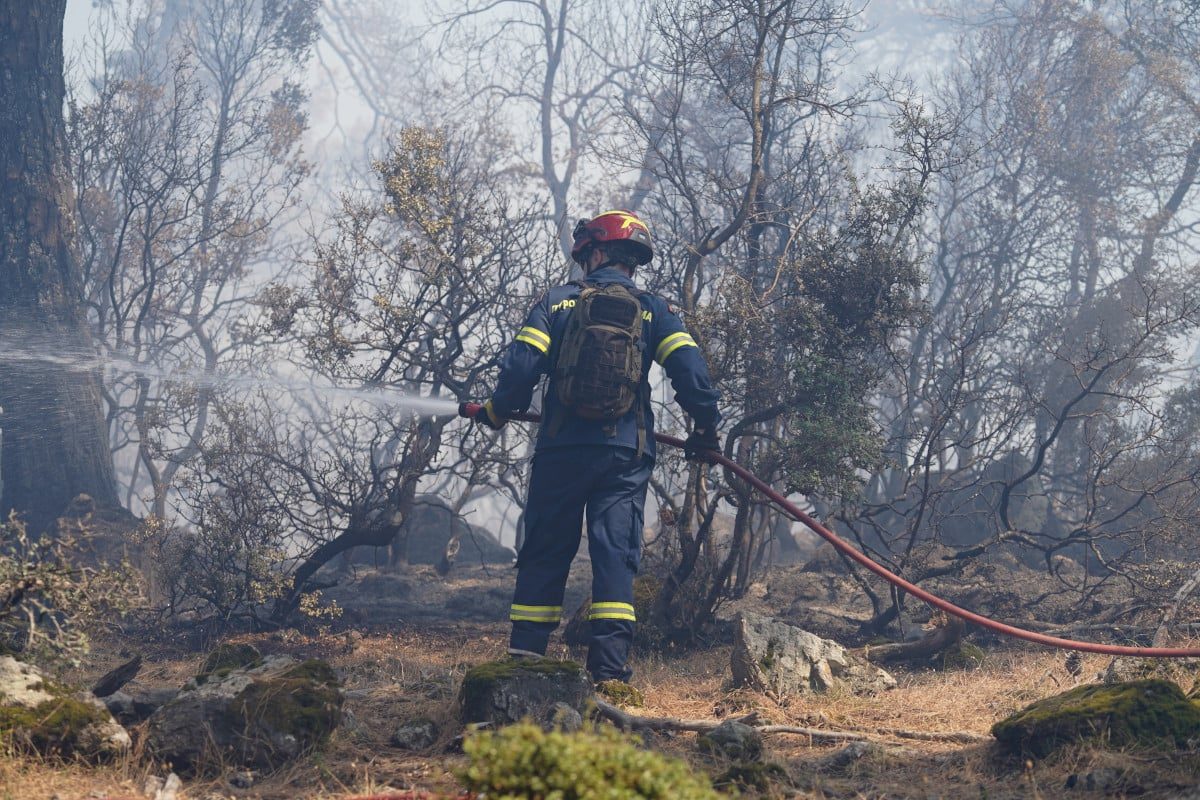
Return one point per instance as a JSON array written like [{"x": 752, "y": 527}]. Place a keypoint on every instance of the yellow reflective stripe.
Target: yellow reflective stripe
[
  {"x": 541, "y": 348},
  {"x": 606, "y": 605},
  {"x": 535, "y": 333},
  {"x": 519, "y": 613},
  {"x": 612, "y": 611},
  {"x": 672, "y": 343},
  {"x": 614, "y": 615},
  {"x": 534, "y": 338}
]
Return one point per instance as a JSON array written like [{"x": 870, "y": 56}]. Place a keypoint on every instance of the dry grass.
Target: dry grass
[
  {"x": 25, "y": 779},
  {"x": 408, "y": 672}
]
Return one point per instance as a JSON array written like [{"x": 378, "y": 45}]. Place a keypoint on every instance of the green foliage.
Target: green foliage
[
  {"x": 48, "y": 601},
  {"x": 1145, "y": 713},
  {"x": 621, "y": 693},
  {"x": 523, "y": 761}
]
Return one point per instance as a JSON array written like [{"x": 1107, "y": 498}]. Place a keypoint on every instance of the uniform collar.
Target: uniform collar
[{"x": 609, "y": 275}]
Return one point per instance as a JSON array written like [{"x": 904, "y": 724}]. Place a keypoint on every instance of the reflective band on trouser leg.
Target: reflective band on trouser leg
[
  {"x": 551, "y": 614},
  {"x": 672, "y": 343},
  {"x": 612, "y": 611},
  {"x": 537, "y": 339}
]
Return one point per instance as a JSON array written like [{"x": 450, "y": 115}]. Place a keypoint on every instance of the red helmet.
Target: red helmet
[{"x": 613, "y": 226}]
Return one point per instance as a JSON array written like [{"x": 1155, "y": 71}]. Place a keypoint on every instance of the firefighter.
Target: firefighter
[{"x": 595, "y": 339}]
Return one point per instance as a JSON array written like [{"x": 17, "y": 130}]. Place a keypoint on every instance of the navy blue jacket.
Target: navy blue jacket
[{"x": 664, "y": 339}]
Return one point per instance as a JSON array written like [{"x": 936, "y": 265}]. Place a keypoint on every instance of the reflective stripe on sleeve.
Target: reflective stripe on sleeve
[
  {"x": 612, "y": 611},
  {"x": 672, "y": 343},
  {"x": 518, "y": 613},
  {"x": 537, "y": 339}
]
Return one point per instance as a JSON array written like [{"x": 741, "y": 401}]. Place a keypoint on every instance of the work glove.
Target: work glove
[
  {"x": 487, "y": 418},
  {"x": 702, "y": 444}
]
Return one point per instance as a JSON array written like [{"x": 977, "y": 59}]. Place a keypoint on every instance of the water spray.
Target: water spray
[
  {"x": 469, "y": 410},
  {"x": 204, "y": 379}
]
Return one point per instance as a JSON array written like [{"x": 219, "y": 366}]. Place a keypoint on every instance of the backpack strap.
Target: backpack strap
[{"x": 556, "y": 420}]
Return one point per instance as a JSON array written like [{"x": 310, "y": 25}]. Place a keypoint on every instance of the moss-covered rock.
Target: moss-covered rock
[
  {"x": 524, "y": 761},
  {"x": 260, "y": 715},
  {"x": 1148, "y": 713},
  {"x": 621, "y": 693},
  {"x": 53, "y": 719},
  {"x": 963, "y": 655},
  {"x": 289, "y": 713},
  {"x": 228, "y": 657},
  {"x": 416, "y": 734},
  {"x": 504, "y": 692},
  {"x": 733, "y": 740}
]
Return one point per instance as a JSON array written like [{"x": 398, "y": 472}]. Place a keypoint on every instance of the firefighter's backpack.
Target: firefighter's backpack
[{"x": 598, "y": 371}]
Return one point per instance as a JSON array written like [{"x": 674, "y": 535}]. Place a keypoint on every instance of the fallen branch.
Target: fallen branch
[
  {"x": 946, "y": 632},
  {"x": 633, "y": 722},
  {"x": 956, "y": 737},
  {"x": 115, "y": 680},
  {"x": 1189, "y": 586}
]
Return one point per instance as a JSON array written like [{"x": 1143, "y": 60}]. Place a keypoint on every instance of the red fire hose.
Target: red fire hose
[{"x": 470, "y": 409}]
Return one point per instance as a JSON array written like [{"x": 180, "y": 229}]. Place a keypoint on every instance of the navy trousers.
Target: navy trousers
[{"x": 609, "y": 483}]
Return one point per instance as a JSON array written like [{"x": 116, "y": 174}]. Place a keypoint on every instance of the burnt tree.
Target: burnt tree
[{"x": 54, "y": 446}]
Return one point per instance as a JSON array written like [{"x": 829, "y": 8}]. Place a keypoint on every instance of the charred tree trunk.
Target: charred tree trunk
[{"x": 54, "y": 444}]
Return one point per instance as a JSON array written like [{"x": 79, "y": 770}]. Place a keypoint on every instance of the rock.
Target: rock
[
  {"x": 852, "y": 753},
  {"x": 1146, "y": 713},
  {"x": 103, "y": 737},
  {"x": 563, "y": 718},
  {"x": 21, "y": 684},
  {"x": 418, "y": 734},
  {"x": 733, "y": 740},
  {"x": 504, "y": 692},
  {"x": 856, "y": 756},
  {"x": 53, "y": 719},
  {"x": 826, "y": 561},
  {"x": 260, "y": 714},
  {"x": 781, "y": 660},
  {"x": 137, "y": 704},
  {"x": 170, "y": 788},
  {"x": 148, "y": 700},
  {"x": 242, "y": 779},
  {"x": 963, "y": 655},
  {"x": 1098, "y": 780},
  {"x": 120, "y": 705},
  {"x": 422, "y": 535},
  {"x": 227, "y": 657}
]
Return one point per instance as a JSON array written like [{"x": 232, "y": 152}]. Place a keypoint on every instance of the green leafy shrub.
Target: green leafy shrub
[
  {"x": 49, "y": 600},
  {"x": 523, "y": 761}
]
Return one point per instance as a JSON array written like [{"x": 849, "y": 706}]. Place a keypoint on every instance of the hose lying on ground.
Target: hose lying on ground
[{"x": 470, "y": 409}]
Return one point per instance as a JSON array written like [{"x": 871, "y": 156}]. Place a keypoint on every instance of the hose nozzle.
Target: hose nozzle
[{"x": 469, "y": 410}]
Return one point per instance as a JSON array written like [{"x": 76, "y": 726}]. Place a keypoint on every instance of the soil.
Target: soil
[{"x": 407, "y": 637}]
